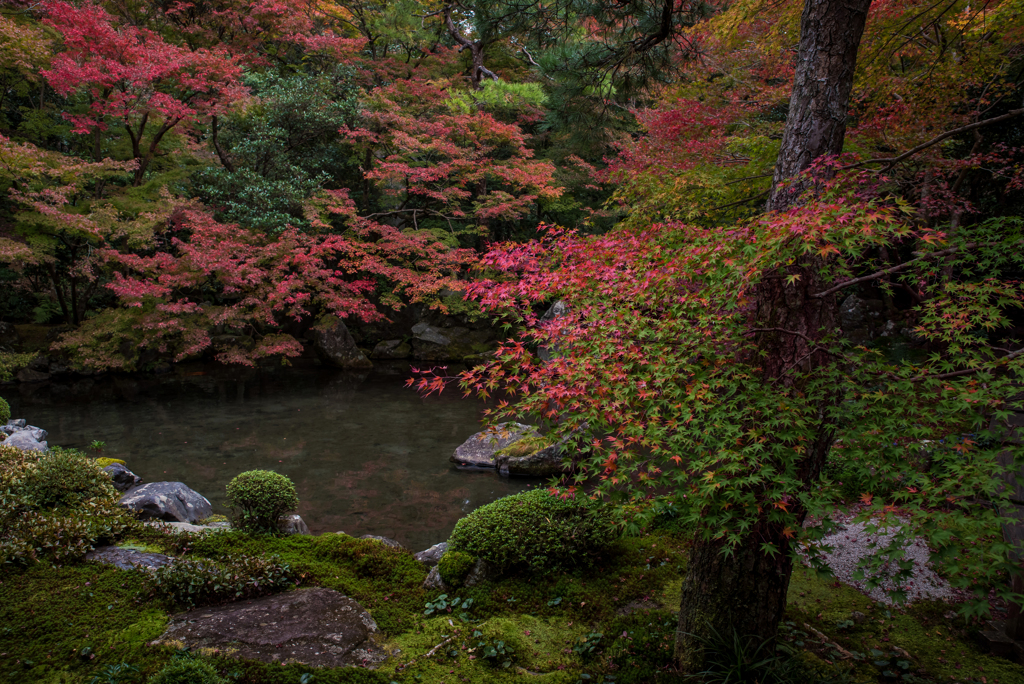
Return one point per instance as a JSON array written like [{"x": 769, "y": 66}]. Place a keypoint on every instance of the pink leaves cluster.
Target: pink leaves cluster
[{"x": 130, "y": 74}]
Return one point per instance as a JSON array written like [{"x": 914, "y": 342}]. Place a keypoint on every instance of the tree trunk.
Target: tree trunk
[{"x": 745, "y": 593}]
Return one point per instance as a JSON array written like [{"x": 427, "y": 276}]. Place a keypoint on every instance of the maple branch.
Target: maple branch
[
  {"x": 966, "y": 371},
  {"x": 892, "y": 161},
  {"x": 781, "y": 330},
  {"x": 220, "y": 152},
  {"x": 896, "y": 269}
]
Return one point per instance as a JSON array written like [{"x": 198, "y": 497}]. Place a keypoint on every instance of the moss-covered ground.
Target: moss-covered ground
[{"x": 615, "y": 619}]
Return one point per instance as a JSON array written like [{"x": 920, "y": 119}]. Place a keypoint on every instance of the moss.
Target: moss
[
  {"x": 454, "y": 566},
  {"x": 524, "y": 447},
  {"x": 103, "y": 461},
  {"x": 672, "y": 594},
  {"x": 73, "y": 621},
  {"x": 940, "y": 649}
]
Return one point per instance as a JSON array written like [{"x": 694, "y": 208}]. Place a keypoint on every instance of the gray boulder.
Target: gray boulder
[
  {"x": 391, "y": 349},
  {"x": 23, "y": 439},
  {"x": 317, "y": 627},
  {"x": 479, "y": 450},
  {"x": 480, "y": 571},
  {"x": 292, "y": 524},
  {"x": 556, "y": 310},
  {"x": 123, "y": 478},
  {"x": 383, "y": 540},
  {"x": 428, "y": 333},
  {"x": 448, "y": 344},
  {"x": 431, "y": 556},
  {"x": 335, "y": 346},
  {"x": 170, "y": 501}
]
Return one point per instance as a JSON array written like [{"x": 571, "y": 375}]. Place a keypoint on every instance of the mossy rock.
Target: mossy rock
[
  {"x": 103, "y": 462},
  {"x": 455, "y": 566},
  {"x": 524, "y": 447}
]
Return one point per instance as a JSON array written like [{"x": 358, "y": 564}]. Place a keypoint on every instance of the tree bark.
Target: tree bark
[{"x": 745, "y": 592}]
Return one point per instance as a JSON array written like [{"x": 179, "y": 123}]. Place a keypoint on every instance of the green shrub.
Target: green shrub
[
  {"x": 258, "y": 498},
  {"x": 535, "y": 529},
  {"x": 5, "y": 411},
  {"x": 64, "y": 478},
  {"x": 454, "y": 566},
  {"x": 187, "y": 671},
  {"x": 197, "y": 582}
]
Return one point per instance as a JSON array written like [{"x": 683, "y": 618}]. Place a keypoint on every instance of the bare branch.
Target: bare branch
[{"x": 895, "y": 269}]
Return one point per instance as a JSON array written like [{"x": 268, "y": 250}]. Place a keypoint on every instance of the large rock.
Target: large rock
[
  {"x": 317, "y": 627},
  {"x": 24, "y": 440},
  {"x": 170, "y": 501},
  {"x": 30, "y": 375},
  {"x": 556, "y": 310},
  {"x": 431, "y": 556},
  {"x": 481, "y": 571},
  {"x": 123, "y": 478},
  {"x": 431, "y": 343},
  {"x": 479, "y": 450},
  {"x": 544, "y": 462},
  {"x": 336, "y": 346}
]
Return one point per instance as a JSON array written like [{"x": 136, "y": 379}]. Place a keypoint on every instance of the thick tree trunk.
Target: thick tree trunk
[{"x": 745, "y": 592}]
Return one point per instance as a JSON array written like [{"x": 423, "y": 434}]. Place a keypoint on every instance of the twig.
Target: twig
[
  {"x": 428, "y": 654},
  {"x": 896, "y": 269},
  {"x": 825, "y": 640}
]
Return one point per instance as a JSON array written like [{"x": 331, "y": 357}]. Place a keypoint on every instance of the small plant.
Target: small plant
[
  {"x": 893, "y": 666},
  {"x": 187, "y": 670},
  {"x": 454, "y": 567},
  {"x": 744, "y": 660},
  {"x": 495, "y": 651},
  {"x": 258, "y": 499},
  {"x": 115, "y": 674},
  {"x": 5, "y": 411},
  {"x": 64, "y": 478},
  {"x": 586, "y": 645},
  {"x": 442, "y": 604},
  {"x": 555, "y": 601},
  {"x": 97, "y": 445}
]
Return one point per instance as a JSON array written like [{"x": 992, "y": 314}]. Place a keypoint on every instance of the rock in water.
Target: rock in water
[
  {"x": 479, "y": 450},
  {"x": 431, "y": 556},
  {"x": 123, "y": 478},
  {"x": 336, "y": 346},
  {"x": 170, "y": 501},
  {"x": 317, "y": 627},
  {"x": 541, "y": 463}
]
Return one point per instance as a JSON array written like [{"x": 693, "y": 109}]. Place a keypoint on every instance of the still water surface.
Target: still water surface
[{"x": 367, "y": 455}]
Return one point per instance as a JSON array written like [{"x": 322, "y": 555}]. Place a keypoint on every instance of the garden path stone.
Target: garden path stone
[{"x": 317, "y": 627}]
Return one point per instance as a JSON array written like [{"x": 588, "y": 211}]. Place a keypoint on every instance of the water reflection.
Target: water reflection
[{"x": 367, "y": 455}]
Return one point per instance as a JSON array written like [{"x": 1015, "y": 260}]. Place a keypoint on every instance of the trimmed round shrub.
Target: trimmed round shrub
[
  {"x": 454, "y": 566},
  {"x": 5, "y": 411},
  {"x": 187, "y": 671},
  {"x": 64, "y": 478},
  {"x": 258, "y": 498},
  {"x": 536, "y": 530}
]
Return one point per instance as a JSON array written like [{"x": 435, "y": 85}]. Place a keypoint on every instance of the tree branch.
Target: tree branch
[
  {"x": 895, "y": 269},
  {"x": 966, "y": 371},
  {"x": 892, "y": 161}
]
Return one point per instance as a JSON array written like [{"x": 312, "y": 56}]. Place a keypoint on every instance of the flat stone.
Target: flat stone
[
  {"x": 479, "y": 450},
  {"x": 431, "y": 556},
  {"x": 383, "y": 540},
  {"x": 428, "y": 333},
  {"x": 179, "y": 527},
  {"x": 128, "y": 559},
  {"x": 170, "y": 501},
  {"x": 317, "y": 627}
]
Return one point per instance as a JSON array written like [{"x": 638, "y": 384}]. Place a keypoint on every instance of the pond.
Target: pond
[{"x": 367, "y": 454}]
